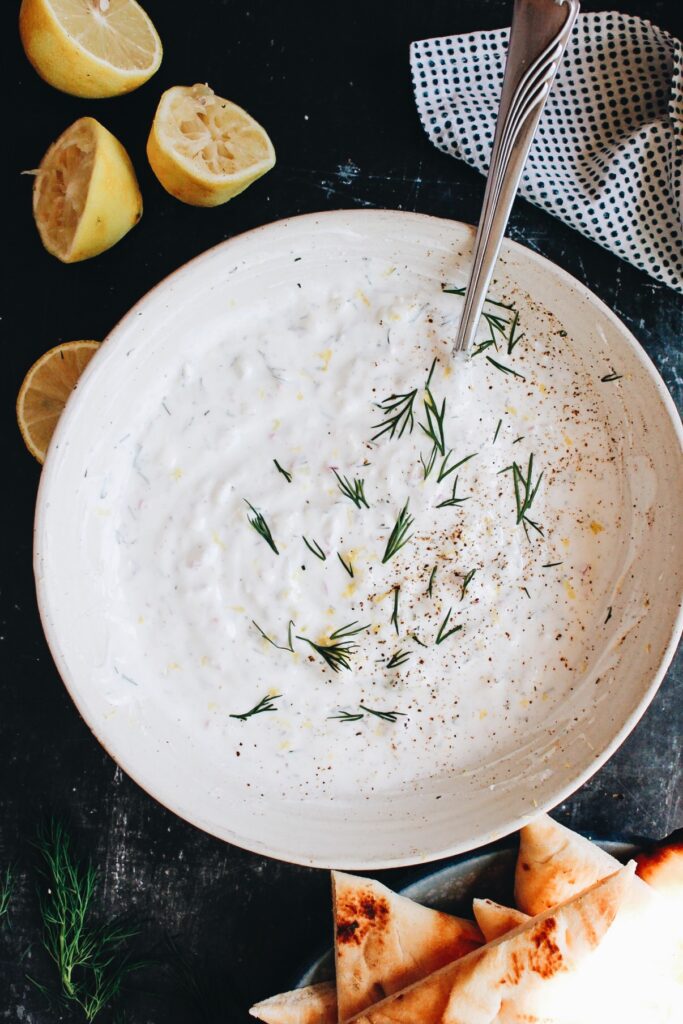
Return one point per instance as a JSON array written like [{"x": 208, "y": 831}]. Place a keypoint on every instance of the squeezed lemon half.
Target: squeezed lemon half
[
  {"x": 45, "y": 389},
  {"x": 204, "y": 149},
  {"x": 85, "y": 195},
  {"x": 90, "y": 48}
]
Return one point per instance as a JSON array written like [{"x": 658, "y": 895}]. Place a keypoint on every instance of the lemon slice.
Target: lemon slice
[
  {"x": 85, "y": 195},
  {"x": 203, "y": 149},
  {"x": 90, "y": 48},
  {"x": 45, "y": 389}
]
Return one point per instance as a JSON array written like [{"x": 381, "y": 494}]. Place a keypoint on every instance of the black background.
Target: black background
[{"x": 331, "y": 84}]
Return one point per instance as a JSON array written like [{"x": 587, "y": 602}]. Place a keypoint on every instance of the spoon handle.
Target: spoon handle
[{"x": 538, "y": 38}]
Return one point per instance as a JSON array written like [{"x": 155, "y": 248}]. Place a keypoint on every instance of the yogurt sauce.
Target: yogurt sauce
[{"x": 300, "y": 379}]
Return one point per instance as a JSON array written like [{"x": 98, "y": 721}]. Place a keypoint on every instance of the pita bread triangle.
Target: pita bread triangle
[
  {"x": 387, "y": 942},
  {"x": 473, "y": 989},
  {"x": 384, "y": 942},
  {"x": 555, "y": 864},
  {"x": 495, "y": 920},
  {"x": 314, "y": 1004}
]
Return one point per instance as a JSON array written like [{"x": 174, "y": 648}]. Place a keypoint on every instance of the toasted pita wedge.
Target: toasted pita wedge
[
  {"x": 314, "y": 1004},
  {"x": 495, "y": 920},
  {"x": 662, "y": 868},
  {"x": 555, "y": 864},
  {"x": 384, "y": 942},
  {"x": 473, "y": 990}
]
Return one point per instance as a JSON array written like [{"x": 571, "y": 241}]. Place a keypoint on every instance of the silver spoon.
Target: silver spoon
[{"x": 538, "y": 38}]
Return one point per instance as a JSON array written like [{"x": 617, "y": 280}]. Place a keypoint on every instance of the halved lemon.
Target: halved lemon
[
  {"x": 90, "y": 48},
  {"x": 203, "y": 149},
  {"x": 45, "y": 389},
  {"x": 85, "y": 195}
]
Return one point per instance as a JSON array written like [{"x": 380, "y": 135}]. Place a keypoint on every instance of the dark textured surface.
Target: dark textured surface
[{"x": 331, "y": 83}]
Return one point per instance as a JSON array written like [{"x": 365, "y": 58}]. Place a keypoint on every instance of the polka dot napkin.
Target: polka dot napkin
[{"x": 608, "y": 154}]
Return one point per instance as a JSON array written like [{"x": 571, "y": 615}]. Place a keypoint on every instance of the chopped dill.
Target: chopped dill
[
  {"x": 609, "y": 615},
  {"x": 6, "y": 891},
  {"x": 354, "y": 490},
  {"x": 431, "y": 581},
  {"x": 286, "y": 475},
  {"x": 505, "y": 369},
  {"x": 347, "y": 566},
  {"x": 261, "y": 527},
  {"x": 495, "y": 436},
  {"x": 345, "y": 716},
  {"x": 399, "y": 536},
  {"x": 525, "y": 492},
  {"x": 453, "y": 500},
  {"x": 398, "y": 658},
  {"x": 394, "y": 614},
  {"x": 550, "y": 565},
  {"x": 398, "y": 415},
  {"x": 526, "y": 592},
  {"x": 467, "y": 579},
  {"x": 315, "y": 549},
  {"x": 265, "y": 704},
  {"x": 415, "y": 637},
  {"x": 386, "y": 716},
  {"x": 444, "y": 632},
  {"x": 290, "y": 645},
  {"x": 443, "y": 472},
  {"x": 609, "y": 377}
]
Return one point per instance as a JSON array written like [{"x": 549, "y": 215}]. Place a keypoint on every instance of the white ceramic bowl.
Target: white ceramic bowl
[{"x": 440, "y": 816}]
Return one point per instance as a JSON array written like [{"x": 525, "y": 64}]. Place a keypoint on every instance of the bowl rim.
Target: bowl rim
[{"x": 48, "y": 480}]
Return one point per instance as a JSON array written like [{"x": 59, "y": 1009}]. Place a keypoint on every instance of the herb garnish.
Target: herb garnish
[
  {"x": 399, "y": 536},
  {"x": 431, "y": 581},
  {"x": 442, "y": 634},
  {"x": 315, "y": 549},
  {"x": 550, "y": 565},
  {"x": 505, "y": 369},
  {"x": 495, "y": 436},
  {"x": 526, "y": 592},
  {"x": 265, "y": 704},
  {"x": 398, "y": 415},
  {"x": 290, "y": 645},
  {"x": 92, "y": 960},
  {"x": 434, "y": 428},
  {"x": 261, "y": 527},
  {"x": 6, "y": 890},
  {"x": 386, "y": 716},
  {"x": 525, "y": 492},
  {"x": 443, "y": 472},
  {"x": 352, "y": 489},
  {"x": 453, "y": 500},
  {"x": 398, "y": 658},
  {"x": 609, "y": 615},
  {"x": 286, "y": 475},
  {"x": 337, "y": 653},
  {"x": 394, "y": 614},
  {"x": 609, "y": 377},
  {"x": 415, "y": 637},
  {"x": 348, "y": 567},
  {"x": 467, "y": 579}
]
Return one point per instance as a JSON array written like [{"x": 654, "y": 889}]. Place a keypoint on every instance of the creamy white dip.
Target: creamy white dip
[{"x": 299, "y": 378}]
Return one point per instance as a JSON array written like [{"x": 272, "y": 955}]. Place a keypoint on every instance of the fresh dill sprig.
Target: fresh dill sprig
[
  {"x": 286, "y": 475},
  {"x": 444, "y": 632},
  {"x": 609, "y": 377},
  {"x": 495, "y": 436},
  {"x": 6, "y": 892},
  {"x": 399, "y": 536},
  {"x": 434, "y": 427},
  {"x": 609, "y": 615},
  {"x": 265, "y": 704},
  {"x": 336, "y": 655},
  {"x": 394, "y": 614},
  {"x": 315, "y": 549},
  {"x": 525, "y": 492},
  {"x": 443, "y": 472},
  {"x": 290, "y": 645},
  {"x": 346, "y": 716},
  {"x": 398, "y": 658},
  {"x": 350, "y": 629},
  {"x": 92, "y": 959},
  {"x": 347, "y": 565},
  {"x": 467, "y": 579},
  {"x": 550, "y": 565},
  {"x": 505, "y": 369},
  {"x": 261, "y": 527},
  {"x": 386, "y": 716},
  {"x": 398, "y": 415},
  {"x": 352, "y": 489},
  {"x": 513, "y": 338},
  {"x": 432, "y": 576},
  {"x": 453, "y": 500}
]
